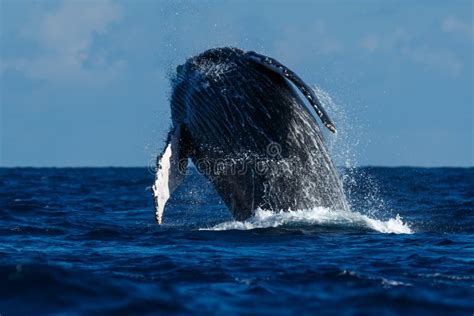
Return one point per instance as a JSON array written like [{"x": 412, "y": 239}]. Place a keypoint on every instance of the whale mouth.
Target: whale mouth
[{"x": 318, "y": 217}]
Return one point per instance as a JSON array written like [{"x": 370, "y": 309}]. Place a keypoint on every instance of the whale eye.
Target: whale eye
[{"x": 179, "y": 68}]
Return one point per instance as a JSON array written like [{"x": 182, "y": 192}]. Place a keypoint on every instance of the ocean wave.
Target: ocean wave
[{"x": 317, "y": 216}]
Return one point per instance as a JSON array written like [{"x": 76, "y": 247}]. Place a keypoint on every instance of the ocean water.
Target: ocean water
[{"x": 78, "y": 240}]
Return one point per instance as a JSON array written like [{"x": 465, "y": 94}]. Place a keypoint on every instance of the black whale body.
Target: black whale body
[{"x": 240, "y": 120}]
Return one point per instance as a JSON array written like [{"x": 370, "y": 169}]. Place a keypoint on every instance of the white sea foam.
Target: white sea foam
[{"x": 318, "y": 216}]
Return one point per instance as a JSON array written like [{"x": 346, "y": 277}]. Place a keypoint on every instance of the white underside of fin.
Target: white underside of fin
[{"x": 168, "y": 176}]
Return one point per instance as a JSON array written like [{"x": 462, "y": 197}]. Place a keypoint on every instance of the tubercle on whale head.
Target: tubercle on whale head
[{"x": 331, "y": 127}]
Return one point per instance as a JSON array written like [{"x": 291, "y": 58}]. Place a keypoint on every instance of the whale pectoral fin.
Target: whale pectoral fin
[
  {"x": 277, "y": 67},
  {"x": 170, "y": 170}
]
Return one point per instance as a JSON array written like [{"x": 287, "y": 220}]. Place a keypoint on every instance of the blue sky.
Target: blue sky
[{"x": 86, "y": 83}]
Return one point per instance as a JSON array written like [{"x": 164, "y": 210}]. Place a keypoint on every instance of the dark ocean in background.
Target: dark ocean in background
[{"x": 79, "y": 240}]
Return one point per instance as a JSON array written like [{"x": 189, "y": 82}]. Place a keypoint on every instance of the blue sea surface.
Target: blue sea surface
[{"x": 80, "y": 240}]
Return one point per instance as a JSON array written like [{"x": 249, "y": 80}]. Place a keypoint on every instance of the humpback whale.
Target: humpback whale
[{"x": 239, "y": 116}]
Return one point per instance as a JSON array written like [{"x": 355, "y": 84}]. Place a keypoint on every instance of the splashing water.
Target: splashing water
[
  {"x": 342, "y": 150},
  {"x": 344, "y": 147},
  {"x": 317, "y": 216}
]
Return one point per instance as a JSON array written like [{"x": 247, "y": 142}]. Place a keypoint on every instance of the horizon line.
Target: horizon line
[{"x": 192, "y": 166}]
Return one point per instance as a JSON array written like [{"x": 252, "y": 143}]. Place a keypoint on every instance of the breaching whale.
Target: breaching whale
[{"x": 239, "y": 118}]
